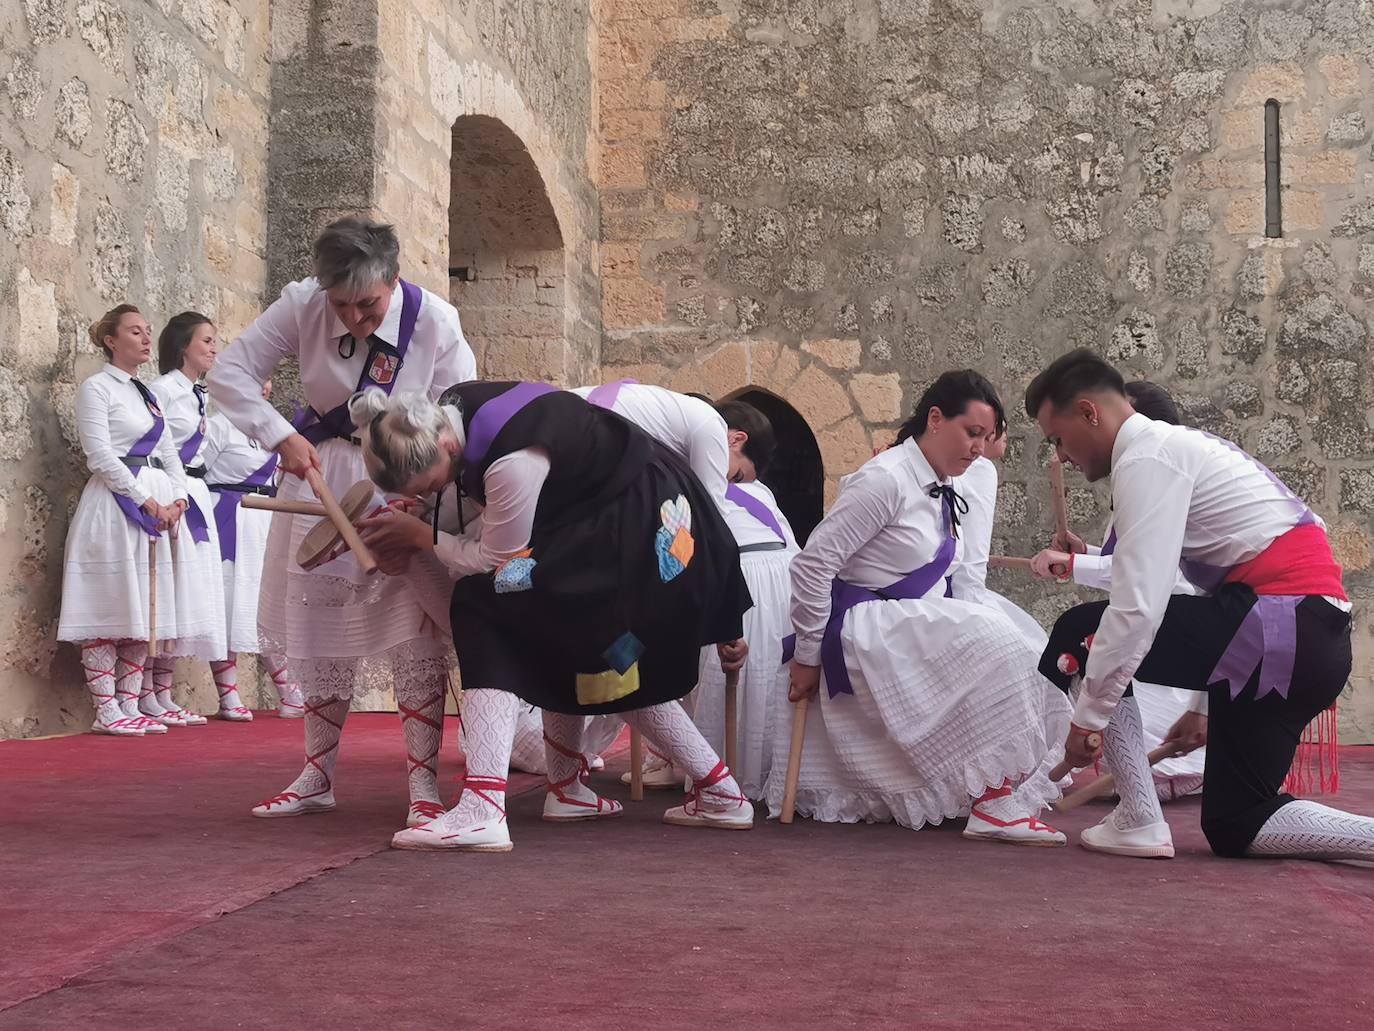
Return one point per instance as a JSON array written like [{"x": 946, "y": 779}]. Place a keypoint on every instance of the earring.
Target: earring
[{"x": 1092, "y": 422}]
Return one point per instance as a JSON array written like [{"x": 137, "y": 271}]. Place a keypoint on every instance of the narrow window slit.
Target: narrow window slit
[{"x": 1273, "y": 203}]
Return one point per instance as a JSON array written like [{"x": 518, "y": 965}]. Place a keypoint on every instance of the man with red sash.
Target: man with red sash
[{"x": 1268, "y": 639}]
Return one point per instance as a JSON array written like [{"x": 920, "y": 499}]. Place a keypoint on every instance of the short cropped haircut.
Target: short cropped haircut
[
  {"x": 358, "y": 255},
  {"x": 1069, "y": 376}
]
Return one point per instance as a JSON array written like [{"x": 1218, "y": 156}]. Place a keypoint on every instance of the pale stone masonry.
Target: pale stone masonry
[{"x": 830, "y": 200}]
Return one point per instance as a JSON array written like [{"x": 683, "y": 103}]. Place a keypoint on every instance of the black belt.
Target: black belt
[
  {"x": 134, "y": 462},
  {"x": 745, "y": 549},
  {"x": 198, "y": 472},
  {"x": 266, "y": 490}
]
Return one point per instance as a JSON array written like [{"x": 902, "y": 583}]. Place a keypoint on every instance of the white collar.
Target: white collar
[
  {"x": 118, "y": 373},
  {"x": 181, "y": 381},
  {"x": 1129, "y": 431},
  {"x": 455, "y": 421},
  {"x": 920, "y": 465}
]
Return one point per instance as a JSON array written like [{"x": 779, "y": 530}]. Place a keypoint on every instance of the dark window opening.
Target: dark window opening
[{"x": 796, "y": 476}]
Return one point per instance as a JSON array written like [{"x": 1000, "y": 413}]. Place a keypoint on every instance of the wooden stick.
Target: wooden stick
[
  {"x": 262, "y": 501},
  {"x": 794, "y": 758},
  {"x": 1058, "y": 500},
  {"x": 636, "y": 766},
  {"x": 732, "y": 720},
  {"x": 341, "y": 521},
  {"x": 152, "y": 597},
  {"x": 1103, "y": 785},
  {"x": 1093, "y": 741}
]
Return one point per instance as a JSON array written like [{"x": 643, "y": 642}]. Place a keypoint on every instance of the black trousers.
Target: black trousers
[{"x": 1250, "y": 741}]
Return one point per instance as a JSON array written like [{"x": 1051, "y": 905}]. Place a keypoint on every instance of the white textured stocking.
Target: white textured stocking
[
  {"x": 673, "y": 734},
  {"x": 527, "y": 750},
  {"x": 1309, "y": 830},
  {"x": 563, "y": 757},
  {"x": 324, "y": 720},
  {"x": 488, "y": 728},
  {"x": 1123, "y": 745},
  {"x": 287, "y": 692},
  {"x": 227, "y": 684},
  {"x": 163, "y": 669},
  {"x": 423, "y": 728},
  {"x": 98, "y": 660},
  {"x": 132, "y": 656}
]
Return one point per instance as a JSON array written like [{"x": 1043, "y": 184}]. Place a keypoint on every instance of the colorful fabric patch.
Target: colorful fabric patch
[
  {"x": 606, "y": 686},
  {"x": 624, "y": 653},
  {"x": 673, "y": 542},
  {"x": 514, "y": 574}
]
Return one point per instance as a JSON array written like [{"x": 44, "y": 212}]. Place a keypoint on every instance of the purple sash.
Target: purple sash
[
  {"x": 489, "y": 420},
  {"x": 755, "y": 508},
  {"x": 604, "y": 396},
  {"x": 378, "y": 371},
  {"x": 143, "y": 447},
  {"x": 1267, "y": 638},
  {"x": 844, "y": 596},
  {"x": 195, "y": 518},
  {"x": 1109, "y": 546},
  {"x": 227, "y": 508}
]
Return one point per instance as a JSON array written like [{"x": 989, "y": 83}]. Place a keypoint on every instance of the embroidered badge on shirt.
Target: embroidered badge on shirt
[
  {"x": 383, "y": 368},
  {"x": 673, "y": 542}
]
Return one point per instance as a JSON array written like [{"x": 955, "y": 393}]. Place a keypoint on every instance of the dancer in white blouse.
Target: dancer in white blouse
[
  {"x": 930, "y": 707},
  {"x": 354, "y": 324},
  {"x": 1268, "y": 640},
  {"x": 135, "y": 494},
  {"x": 186, "y": 351},
  {"x": 1161, "y": 708}
]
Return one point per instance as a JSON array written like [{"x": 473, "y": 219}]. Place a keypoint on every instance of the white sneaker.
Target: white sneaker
[
  {"x": 148, "y": 726},
  {"x": 422, "y": 812},
  {"x": 110, "y": 719},
  {"x": 289, "y": 803},
  {"x": 578, "y": 803},
  {"x": 236, "y": 714},
  {"x": 192, "y": 719},
  {"x": 167, "y": 717},
  {"x": 449, "y": 834},
  {"x": 290, "y": 711},
  {"x": 738, "y": 817},
  {"x": 1153, "y": 841}
]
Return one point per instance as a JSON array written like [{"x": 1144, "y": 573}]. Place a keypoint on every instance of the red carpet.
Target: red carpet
[{"x": 138, "y": 893}]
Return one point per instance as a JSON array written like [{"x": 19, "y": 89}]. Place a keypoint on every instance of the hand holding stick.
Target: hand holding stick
[
  {"x": 1103, "y": 785},
  {"x": 341, "y": 521},
  {"x": 1091, "y": 741}
]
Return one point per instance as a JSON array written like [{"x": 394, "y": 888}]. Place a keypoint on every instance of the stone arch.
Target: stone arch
[
  {"x": 506, "y": 254},
  {"x": 797, "y": 474}
]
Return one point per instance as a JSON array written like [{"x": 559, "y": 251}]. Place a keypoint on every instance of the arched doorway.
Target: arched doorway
[
  {"x": 796, "y": 476},
  {"x": 506, "y": 262}
]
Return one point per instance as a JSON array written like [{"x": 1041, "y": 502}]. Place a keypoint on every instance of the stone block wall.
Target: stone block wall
[
  {"x": 836, "y": 199},
  {"x": 132, "y": 168}
]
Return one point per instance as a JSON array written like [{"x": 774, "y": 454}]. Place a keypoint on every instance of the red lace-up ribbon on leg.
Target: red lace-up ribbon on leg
[
  {"x": 1031, "y": 822},
  {"x": 429, "y": 765},
  {"x": 720, "y": 772},
  {"x": 583, "y": 771},
  {"x": 479, "y": 786}
]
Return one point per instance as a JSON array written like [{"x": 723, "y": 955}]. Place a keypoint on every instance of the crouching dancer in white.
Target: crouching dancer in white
[
  {"x": 355, "y": 324},
  {"x": 931, "y": 707},
  {"x": 598, "y": 569}
]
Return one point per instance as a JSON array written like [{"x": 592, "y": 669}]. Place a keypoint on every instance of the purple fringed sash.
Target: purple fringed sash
[
  {"x": 227, "y": 509},
  {"x": 336, "y": 422}
]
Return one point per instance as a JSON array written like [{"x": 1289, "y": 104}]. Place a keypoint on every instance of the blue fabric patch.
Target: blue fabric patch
[
  {"x": 624, "y": 653},
  {"x": 668, "y": 565},
  {"x": 515, "y": 576}
]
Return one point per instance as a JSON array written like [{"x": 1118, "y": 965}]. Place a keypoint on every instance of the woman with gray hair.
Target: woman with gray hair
[{"x": 354, "y": 324}]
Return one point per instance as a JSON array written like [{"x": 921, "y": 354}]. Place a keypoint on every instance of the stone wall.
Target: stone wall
[
  {"x": 132, "y": 156},
  {"x": 835, "y": 199},
  {"x": 527, "y": 65}
]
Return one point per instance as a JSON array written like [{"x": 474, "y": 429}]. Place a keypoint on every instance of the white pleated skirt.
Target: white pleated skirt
[
  {"x": 947, "y": 702},
  {"x": 343, "y": 632},
  {"x": 243, "y": 577},
  {"x": 762, "y": 693}
]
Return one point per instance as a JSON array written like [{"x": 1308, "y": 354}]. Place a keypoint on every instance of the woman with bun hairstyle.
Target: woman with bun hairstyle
[{"x": 135, "y": 494}]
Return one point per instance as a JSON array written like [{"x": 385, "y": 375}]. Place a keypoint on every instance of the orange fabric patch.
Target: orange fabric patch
[{"x": 683, "y": 547}]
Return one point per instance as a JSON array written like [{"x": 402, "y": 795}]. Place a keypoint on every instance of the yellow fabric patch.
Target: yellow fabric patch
[
  {"x": 606, "y": 686},
  {"x": 683, "y": 547}
]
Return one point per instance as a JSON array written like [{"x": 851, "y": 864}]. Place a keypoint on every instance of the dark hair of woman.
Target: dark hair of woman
[
  {"x": 952, "y": 393},
  {"x": 175, "y": 338},
  {"x": 762, "y": 442}
]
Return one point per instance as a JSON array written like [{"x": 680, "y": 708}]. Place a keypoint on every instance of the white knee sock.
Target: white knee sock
[
  {"x": 129, "y": 669},
  {"x": 226, "y": 676},
  {"x": 324, "y": 721},
  {"x": 527, "y": 750},
  {"x": 1123, "y": 745},
  {"x": 488, "y": 729},
  {"x": 422, "y": 726},
  {"x": 1309, "y": 830},
  {"x": 671, "y": 731},
  {"x": 288, "y": 693},
  {"x": 98, "y": 660}
]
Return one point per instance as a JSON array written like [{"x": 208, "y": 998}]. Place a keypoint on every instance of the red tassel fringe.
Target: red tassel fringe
[{"x": 1316, "y": 767}]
